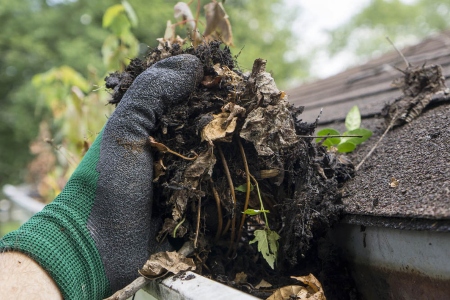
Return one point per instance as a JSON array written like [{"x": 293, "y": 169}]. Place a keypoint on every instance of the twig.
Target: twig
[
  {"x": 227, "y": 226},
  {"x": 233, "y": 195},
  {"x": 328, "y": 136},
  {"x": 378, "y": 142},
  {"x": 163, "y": 148},
  {"x": 399, "y": 52},
  {"x": 247, "y": 195},
  {"x": 130, "y": 289},
  {"x": 219, "y": 210},
  {"x": 198, "y": 221}
]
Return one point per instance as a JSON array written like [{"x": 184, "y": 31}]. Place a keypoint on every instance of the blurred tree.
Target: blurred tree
[
  {"x": 405, "y": 22},
  {"x": 38, "y": 35},
  {"x": 263, "y": 29}
]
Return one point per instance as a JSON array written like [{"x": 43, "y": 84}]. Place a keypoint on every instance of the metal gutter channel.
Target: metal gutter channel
[
  {"x": 386, "y": 263},
  {"x": 398, "y": 264},
  {"x": 191, "y": 286}
]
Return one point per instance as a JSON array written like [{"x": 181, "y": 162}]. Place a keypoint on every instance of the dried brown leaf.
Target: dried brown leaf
[
  {"x": 394, "y": 183},
  {"x": 234, "y": 110},
  {"x": 270, "y": 129},
  {"x": 210, "y": 81},
  {"x": 419, "y": 85},
  {"x": 263, "y": 284},
  {"x": 312, "y": 282},
  {"x": 198, "y": 169},
  {"x": 162, "y": 263},
  {"x": 240, "y": 278},
  {"x": 182, "y": 10},
  {"x": 214, "y": 130},
  {"x": 285, "y": 293},
  {"x": 217, "y": 24},
  {"x": 158, "y": 170},
  {"x": 313, "y": 290}
]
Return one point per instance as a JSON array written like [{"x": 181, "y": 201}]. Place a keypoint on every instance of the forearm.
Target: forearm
[{"x": 22, "y": 278}]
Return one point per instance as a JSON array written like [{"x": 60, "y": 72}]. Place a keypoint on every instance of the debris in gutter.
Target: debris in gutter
[{"x": 234, "y": 127}]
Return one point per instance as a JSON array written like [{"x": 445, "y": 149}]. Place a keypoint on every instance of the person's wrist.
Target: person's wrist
[{"x": 24, "y": 278}]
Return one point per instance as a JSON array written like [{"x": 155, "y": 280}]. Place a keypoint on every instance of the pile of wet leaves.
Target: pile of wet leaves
[{"x": 237, "y": 145}]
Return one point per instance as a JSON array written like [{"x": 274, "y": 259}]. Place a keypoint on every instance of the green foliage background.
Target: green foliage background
[{"x": 38, "y": 35}]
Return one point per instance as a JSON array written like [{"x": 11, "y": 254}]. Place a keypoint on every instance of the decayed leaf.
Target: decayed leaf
[
  {"x": 214, "y": 131},
  {"x": 210, "y": 81},
  {"x": 270, "y": 129},
  {"x": 267, "y": 244},
  {"x": 228, "y": 77},
  {"x": 394, "y": 183},
  {"x": 240, "y": 278},
  {"x": 311, "y": 281},
  {"x": 158, "y": 170},
  {"x": 263, "y": 284},
  {"x": 313, "y": 290},
  {"x": 217, "y": 24},
  {"x": 419, "y": 85},
  {"x": 269, "y": 173},
  {"x": 182, "y": 10},
  {"x": 234, "y": 110},
  {"x": 161, "y": 263},
  {"x": 266, "y": 89},
  {"x": 201, "y": 167},
  {"x": 286, "y": 292}
]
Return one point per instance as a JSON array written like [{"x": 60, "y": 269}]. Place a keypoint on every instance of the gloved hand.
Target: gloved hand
[{"x": 97, "y": 233}]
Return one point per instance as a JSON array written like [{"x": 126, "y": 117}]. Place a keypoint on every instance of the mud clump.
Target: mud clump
[{"x": 237, "y": 129}]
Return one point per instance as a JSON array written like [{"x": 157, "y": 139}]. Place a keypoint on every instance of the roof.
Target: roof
[
  {"x": 416, "y": 154},
  {"x": 368, "y": 85}
]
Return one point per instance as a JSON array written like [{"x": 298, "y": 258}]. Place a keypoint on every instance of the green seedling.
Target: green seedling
[
  {"x": 267, "y": 239},
  {"x": 254, "y": 212},
  {"x": 345, "y": 142}
]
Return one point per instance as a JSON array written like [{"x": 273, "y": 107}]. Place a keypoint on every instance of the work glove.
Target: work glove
[{"x": 97, "y": 233}]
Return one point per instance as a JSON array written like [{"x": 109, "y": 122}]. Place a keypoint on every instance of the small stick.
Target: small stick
[
  {"x": 198, "y": 221},
  {"x": 233, "y": 195},
  {"x": 227, "y": 226},
  {"x": 219, "y": 210},
  {"x": 130, "y": 289},
  {"x": 328, "y": 136},
  {"x": 376, "y": 144},
  {"x": 399, "y": 52},
  {"x": 247, "y": 195},
  {"x": 163, "y": 148}
]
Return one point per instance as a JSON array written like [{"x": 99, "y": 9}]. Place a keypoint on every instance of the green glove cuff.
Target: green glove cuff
[{"x": 58, "y": 238}]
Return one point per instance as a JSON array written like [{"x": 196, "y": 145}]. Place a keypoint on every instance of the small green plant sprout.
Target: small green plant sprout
[
  {"x": 267, "y": 239},
  {"x": 347, "y": 141},
  {"x": 254, "y": 212}
]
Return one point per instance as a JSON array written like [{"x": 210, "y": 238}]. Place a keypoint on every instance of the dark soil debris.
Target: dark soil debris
[
  {"x": 419, "y": 86},
  {"x": 229, "y": 114}
]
